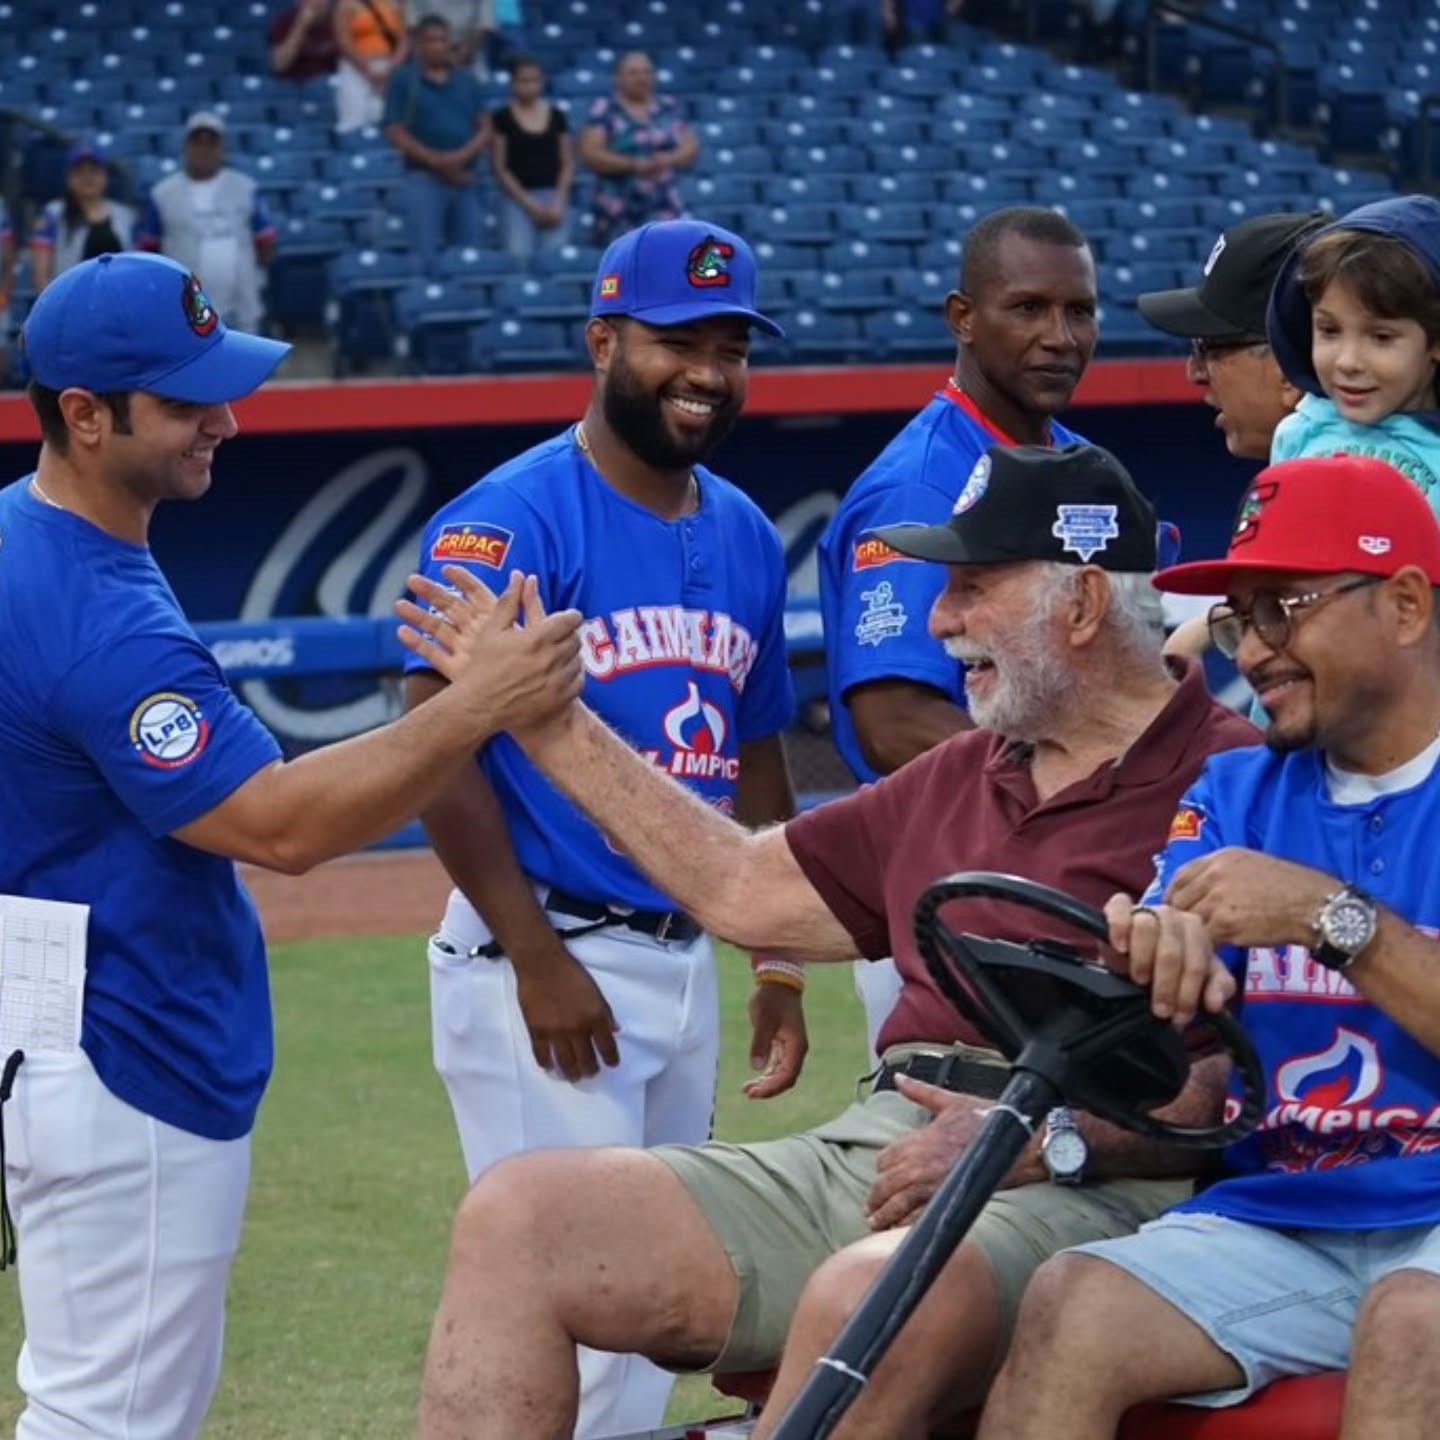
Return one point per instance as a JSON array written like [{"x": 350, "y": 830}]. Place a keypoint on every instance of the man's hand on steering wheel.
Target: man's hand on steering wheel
[{"x": 1169, "y": 952}]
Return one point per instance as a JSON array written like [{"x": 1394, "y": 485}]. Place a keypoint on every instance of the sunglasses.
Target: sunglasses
[
  {"x": 1204, "y": 351},
  {"x": 1272, "y": 615}
]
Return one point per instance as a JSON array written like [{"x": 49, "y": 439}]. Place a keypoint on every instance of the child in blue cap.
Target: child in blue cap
[{"x": 1355, "y": 323}]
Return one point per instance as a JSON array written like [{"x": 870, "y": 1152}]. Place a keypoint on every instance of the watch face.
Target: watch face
[
  {"x": 1066, "y": 1152},
  {"x": 1349, "y": 924}
]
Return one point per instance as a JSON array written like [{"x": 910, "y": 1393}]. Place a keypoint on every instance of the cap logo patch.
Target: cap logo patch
[
  {"x": 975, "y": 486},
  {"x": 708, "y": 264},
  {"x": 200, "y": 315},
  {"x": 610, "y": 287},
  {"x": 1247, "y": 518},
  {"x": 1084, "y": 530},
  {"x": 1375, "y": 544},
  {"x": 1215, "y": 254}
]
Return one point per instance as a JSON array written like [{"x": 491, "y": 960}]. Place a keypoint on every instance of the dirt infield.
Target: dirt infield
[{"x": 387, "y": 893}]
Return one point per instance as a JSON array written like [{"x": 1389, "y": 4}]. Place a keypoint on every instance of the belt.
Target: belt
[
  {"x": 667, "y": 926},
  {"x": 949, "y": 1072}
]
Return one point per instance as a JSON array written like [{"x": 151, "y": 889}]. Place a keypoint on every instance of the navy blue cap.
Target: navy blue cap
[
  {"x": 85, "y": 150},
  {"x": 1413, "y": 220},
  {"x": 675, "y": 272},
  {"x": 142, "y": 322}
]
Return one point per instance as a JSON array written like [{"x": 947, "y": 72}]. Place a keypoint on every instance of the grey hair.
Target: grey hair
[{"x": 1137, "y": 613}]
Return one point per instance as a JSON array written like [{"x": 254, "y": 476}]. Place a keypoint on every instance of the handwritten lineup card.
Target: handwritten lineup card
[{"x": 42, "y": 973}]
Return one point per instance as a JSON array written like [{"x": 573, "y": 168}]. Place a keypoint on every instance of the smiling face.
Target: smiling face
[
  {"x": 672, "y": 394},
  {"x": 1370, "y": 365},
  {"x": 1335, "y": 671},
  {"x": 168, "y": 448},
  {"x": 1031, "y": 329},
  {"x": 1003, "y": 622}
]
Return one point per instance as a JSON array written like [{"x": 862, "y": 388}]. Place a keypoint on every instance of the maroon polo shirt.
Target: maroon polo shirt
[{"x": 970, "y": 804}]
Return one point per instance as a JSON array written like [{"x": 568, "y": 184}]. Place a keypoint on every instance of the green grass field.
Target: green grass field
[{"x": 357, "y": 1174}]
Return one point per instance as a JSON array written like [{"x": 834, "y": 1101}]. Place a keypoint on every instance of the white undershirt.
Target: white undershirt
[{"x": 1348, "y": 788}]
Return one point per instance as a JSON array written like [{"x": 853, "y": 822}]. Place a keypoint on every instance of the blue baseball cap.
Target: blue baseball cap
[
  {"x": 674, "y": 272},
  {"x": 142, "y": 322},
  {"x": 85, "y": 150}
]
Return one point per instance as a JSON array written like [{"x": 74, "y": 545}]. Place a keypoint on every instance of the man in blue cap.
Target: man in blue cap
[
  {"x": 133, "y": 779},
  {"x": 573, "y": 1002}
]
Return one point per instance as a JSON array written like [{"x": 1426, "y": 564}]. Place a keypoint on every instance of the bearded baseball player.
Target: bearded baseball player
[{"x": 573, "y": 1003}]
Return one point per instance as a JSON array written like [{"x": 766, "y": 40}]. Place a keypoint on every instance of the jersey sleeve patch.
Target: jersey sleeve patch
[
  {"x": 870, "y": 553},
  {"x": 473, "y": 542},
  {"x": 169, "y": 730},
  {"x": 1187, "y": 824}
]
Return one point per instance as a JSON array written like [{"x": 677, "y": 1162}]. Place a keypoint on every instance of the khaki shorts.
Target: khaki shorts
[{"x": 782, "y": 1207}]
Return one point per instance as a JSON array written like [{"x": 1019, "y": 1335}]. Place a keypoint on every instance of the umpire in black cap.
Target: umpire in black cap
[
  {"x": 1223, "y": 318},
  {"x": 1038, "y": 532}
]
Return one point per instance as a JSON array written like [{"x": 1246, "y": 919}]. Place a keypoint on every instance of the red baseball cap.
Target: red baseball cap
[{"x": 1321, "y": 516}]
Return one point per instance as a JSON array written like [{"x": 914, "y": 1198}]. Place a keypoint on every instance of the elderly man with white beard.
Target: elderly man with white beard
[{"x": 699, "y": 1256}]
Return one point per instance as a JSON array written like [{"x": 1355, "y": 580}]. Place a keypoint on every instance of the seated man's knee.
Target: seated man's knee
[
  {"x": 1064, "y": 1287},
  {"x": 507, "y": 1208},
  {"x": 1401, "y": 1310}
]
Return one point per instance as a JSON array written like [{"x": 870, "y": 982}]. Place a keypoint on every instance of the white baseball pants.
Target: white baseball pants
[
  {"x": 666, "y": 1000},
  {"x": 127, "y": 1229}
]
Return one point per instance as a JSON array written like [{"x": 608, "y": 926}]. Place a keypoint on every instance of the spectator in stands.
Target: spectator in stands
[
  {"x": 435, "y": 117},
  {"x": 534, "y": 162},
  {"x": 1355, "y": 324},
  {"x": 1024, "y": 323},
  {"x": 635, "y": 141},
  {"x": 1317, "y": 1248},
  {"x": 696, "y": 1256},
  {"x": 302, "y": 41},
  {"x": 83, "y": 223},
  {"x": 903, "y": 21},
  {"x": 486, "y": 33},
  {"x": 210, "y": 218},
  {"x": 372, "y": 37}
]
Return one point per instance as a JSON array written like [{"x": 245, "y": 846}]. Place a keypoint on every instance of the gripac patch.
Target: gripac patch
[
  {"x": 473, "y": 542},
  {"x": 1085, "y": 530},
  {"x": 871, "y": 553},
  {"x": 1187, "y": 824},
  {"x": 168, "y": 730}
]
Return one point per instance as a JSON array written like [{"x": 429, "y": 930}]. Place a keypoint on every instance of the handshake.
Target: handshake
[{"x": 517, "y": 667}]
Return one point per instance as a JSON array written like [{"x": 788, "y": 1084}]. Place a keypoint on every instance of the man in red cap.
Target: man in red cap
[{"x": 1310, "y": 865}]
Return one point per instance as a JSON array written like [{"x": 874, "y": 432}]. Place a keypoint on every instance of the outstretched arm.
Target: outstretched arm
[{"x": 746, "y": 887}]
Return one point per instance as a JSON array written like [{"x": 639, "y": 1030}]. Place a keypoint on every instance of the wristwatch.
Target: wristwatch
[
  {"x": 1064, "y": 1149},
  {"x": 1344, "y": 925}
]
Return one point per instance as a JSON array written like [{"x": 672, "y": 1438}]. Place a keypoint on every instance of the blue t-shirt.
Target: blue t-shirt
[
  {"x": 1350, "y": 1136},
  {"x": 683, "y": 639},
  {"x": 875, "y": 602},
  {"x": 442, "y": 116},
  {"x": 117, "y": 728}
]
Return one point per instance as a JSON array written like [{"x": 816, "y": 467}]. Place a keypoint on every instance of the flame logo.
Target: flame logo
[
  {"x": 1330, "y": 1078},
  {"x": 708, "y": 741}
]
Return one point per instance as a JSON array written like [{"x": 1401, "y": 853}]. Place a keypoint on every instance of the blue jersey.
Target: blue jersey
[
  {"x": 1350, "y": 1138},
  {"x": 875, "y": 602},
  {"x": 683, "y": 639},
  {"x": 116, "y": 728}
]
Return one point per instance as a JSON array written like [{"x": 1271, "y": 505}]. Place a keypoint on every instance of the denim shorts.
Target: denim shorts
[{"x": 1278, "y": 1302}]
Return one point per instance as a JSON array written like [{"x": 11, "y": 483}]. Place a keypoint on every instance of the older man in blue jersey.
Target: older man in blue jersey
[
  {"x": 1024, "y": 321},
  {"x": 1311, "y": 867},
  {"x": 573, "y": 1002},
  {"x": 132, "y": 778}
]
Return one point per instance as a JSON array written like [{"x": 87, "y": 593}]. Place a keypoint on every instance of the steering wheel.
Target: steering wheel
[{"x": 1114, "y": 1057}]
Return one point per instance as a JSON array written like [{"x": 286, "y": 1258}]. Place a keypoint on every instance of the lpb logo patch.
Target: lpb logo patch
[
  {"x": 709, "y": 263},
  {"x": 200, "y": 315},
  {"x": 168, "y": 730},
  {"x": 474, "y": 543}
]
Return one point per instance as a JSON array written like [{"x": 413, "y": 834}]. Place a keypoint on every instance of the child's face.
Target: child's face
[{"x": 1370, "y": 366}]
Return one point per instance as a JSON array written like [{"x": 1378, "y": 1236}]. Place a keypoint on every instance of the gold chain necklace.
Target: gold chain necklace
[
  {"x": 692, "y": 495},
  {"x": 41, "y": 495}
]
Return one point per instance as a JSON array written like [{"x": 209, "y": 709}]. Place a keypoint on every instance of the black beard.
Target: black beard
[{"x": 635, "y": 415}]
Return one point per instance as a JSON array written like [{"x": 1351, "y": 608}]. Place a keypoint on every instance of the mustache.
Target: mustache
[{"x": 958, "y": 649}]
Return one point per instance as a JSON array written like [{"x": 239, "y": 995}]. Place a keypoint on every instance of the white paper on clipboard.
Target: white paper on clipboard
[{"x": 42, "y": 973}]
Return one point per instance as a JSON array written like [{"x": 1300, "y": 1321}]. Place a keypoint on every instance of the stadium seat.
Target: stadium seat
[
  {"x": 505, "y": 343},
  {"x": 906, "y": 335},
  {"x": 823, "y": 335},
  {"x": 551, "y": 297},
  {"x": 436, "y": 320}
]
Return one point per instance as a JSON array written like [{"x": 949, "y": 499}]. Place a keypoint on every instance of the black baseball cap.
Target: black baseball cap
[
  {"x": 1075, "y": 504},
  {"x": 1233, "y": 295}
]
